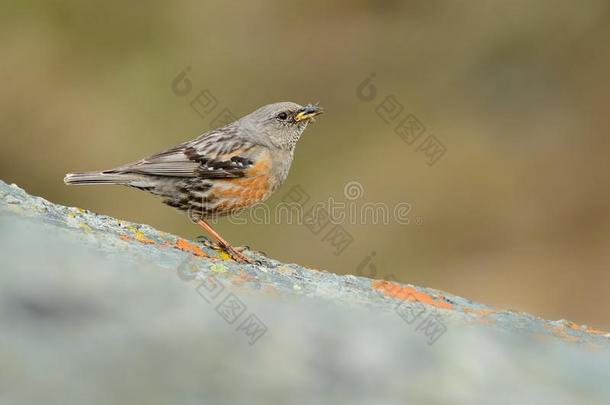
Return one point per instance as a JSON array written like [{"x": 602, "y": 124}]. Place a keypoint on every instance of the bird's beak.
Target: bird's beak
[{"x": 308, "y": 112}]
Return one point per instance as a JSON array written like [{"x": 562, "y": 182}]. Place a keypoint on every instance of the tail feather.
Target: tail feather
[{"x": 97, "y": 178}]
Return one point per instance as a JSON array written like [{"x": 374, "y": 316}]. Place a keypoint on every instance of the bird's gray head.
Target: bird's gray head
[{"x": 281, "y": 123}]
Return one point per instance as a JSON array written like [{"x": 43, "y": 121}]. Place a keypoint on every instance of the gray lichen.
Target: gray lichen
[{"x": 98, "y": 310}]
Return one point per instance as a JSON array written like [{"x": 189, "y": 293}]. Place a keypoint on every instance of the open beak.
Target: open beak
[{"x": 308, "y": 113}]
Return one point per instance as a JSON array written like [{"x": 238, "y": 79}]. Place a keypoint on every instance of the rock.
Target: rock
[
  {"x": 9, "y": 199},
  {"x": 98, "y": 310}
]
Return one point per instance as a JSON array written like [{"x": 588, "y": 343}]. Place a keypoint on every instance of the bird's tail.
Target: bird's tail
[{"x": 98, "y": 178}]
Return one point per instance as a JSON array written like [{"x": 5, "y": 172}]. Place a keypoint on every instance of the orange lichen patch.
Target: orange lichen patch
[
  {"x": 561, "y": 333},
  {"x": 587, "y": 329},
  {"x": 596, "y": 331},
  {"x": 482, "y": 317},
  {"x": 187, "y": 246},
  {"x": 480, "y": 312},
  {"x": 409, "y": 293},
  {"x": 555, "y": 329},
  {"x": 140, "y": 237},
  {"x": 574, "y": 326}
]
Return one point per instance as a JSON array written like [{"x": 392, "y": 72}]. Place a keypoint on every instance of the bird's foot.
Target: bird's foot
[
  {"x": 237, "y": 255},
  {"x": 217, "y": 246},
  {"x": 236, "y": 252}
]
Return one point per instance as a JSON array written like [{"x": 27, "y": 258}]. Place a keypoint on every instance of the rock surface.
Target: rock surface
[{"x": 98, "y": 310}]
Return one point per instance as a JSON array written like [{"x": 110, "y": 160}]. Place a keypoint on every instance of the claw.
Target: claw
[{"x": 235, "y": 255}]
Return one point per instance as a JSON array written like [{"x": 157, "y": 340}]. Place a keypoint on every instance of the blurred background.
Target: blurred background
[{"x": 514, "y": 212}]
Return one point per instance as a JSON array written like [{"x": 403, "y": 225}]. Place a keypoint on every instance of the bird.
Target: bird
[{"x": 220, "y": 172}]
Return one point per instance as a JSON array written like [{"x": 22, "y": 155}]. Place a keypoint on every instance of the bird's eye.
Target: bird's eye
[{"x": 282, "y": 116}]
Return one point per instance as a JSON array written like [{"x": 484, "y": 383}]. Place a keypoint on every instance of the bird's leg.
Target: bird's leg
[{"x": 236, "y": 255}]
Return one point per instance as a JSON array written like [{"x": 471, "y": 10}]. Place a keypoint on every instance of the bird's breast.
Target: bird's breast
[{"x": 259, "y": 181}]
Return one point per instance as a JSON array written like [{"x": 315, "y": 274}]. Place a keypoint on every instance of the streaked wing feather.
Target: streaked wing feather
[{"x": 215, "y": 154}]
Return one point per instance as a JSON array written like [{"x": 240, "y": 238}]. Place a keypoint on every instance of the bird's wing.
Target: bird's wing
[{"x": 216, "y": 154}]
